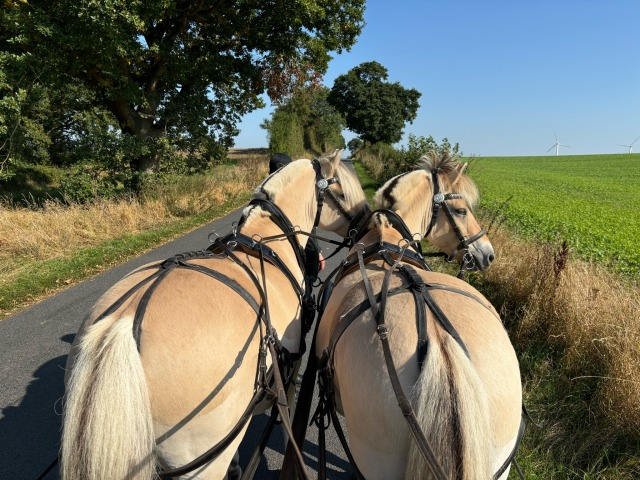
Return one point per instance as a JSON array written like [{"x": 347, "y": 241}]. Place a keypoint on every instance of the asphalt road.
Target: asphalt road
[{"x": 33, "y": 348}]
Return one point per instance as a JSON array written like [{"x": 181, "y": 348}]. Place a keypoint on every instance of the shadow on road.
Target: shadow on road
[
  {"x": 34, "y": 424},
  {"x": 337, "y": 468}
]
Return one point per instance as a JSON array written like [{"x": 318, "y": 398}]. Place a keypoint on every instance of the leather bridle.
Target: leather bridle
[{"x": 440, "y": 202}]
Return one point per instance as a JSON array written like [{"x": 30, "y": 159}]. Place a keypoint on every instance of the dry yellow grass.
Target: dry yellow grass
[
  {"x": 58, "y": 230},
  {"x": 588, "y": 322}
]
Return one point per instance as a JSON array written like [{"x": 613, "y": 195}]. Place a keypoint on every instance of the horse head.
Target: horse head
[
  {"x": 436, "y": 202},
  {"x": 322, "y": 192}
]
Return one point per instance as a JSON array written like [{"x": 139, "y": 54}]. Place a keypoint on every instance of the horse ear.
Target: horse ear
[
  {"x": 335, "y": 157},
  {"x": 460, "y": 170},
  {"x": 329, "y": 162}
]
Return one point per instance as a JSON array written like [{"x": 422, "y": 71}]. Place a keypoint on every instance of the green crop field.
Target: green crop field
[{"x": 591, "y": 201}]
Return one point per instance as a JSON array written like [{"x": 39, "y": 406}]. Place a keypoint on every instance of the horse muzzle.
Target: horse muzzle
[{"x": 483, "y": 255}]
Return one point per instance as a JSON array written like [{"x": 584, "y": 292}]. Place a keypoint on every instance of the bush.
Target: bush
[
  {"x": 383, "y": 161},
  {"x": 354, "y": 145},
  {"x": 305, "y": 123},
  {"x": 285, "y": 133},
  {"x": 91, "y": 182}
]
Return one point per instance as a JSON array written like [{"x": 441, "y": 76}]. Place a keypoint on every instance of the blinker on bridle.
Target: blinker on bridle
[{"x": 440, "y": 201}]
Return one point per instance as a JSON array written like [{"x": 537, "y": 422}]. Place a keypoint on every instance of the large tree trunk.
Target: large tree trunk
[{"x": 138, "y": 124}]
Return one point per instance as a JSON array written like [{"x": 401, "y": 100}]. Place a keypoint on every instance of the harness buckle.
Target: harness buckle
[
  {"x": 322, "y": 184},
  {"x": 256, "y": 238},
  {"x": 382, "y": 330},
  {"x": 172, "y": 262},
  {"x": 213, "y": 240}
]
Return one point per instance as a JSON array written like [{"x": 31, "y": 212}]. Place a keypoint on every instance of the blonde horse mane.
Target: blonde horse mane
[
  {"x": 451, "y": 174},
  {"x": 412, "y": 187},
  {"x": 354, "y": 198}
]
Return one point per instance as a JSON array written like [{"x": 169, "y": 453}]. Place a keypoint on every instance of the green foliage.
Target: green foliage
[
  {"x": 29, "y": 184},
  {"x": 305, "y": 123},
  {"x": 184, "y": 72},
  {"x": 589, "y": 201},
  {"x": 373, "y": 108},
  {"x": 418, "y": 146},
  {"x": 23, "y": 108},
  {"x": 285, "y": 133},
  {"x": 89, "y": 183},
  {"x": 354, "y": 145},
  {"x": 383, "y": 161}
]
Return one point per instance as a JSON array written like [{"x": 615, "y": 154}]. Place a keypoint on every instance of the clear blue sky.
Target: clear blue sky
[{"x": 502, "y": 77}]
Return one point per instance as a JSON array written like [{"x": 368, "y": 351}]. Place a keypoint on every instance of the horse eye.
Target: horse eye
[{"x": 461, "y": 212}]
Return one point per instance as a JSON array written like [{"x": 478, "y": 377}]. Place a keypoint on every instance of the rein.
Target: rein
[
  {"x": 222, "y": 248},
  {"x": 401, "y": 260}
]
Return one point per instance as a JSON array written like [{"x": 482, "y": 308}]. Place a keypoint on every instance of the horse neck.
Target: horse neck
[
  {"x": 299, "y": 205},
  {"x": 263, "y": 227},
  {"x": 382, "y": 233},
  {"x": 416, "y": 206}
]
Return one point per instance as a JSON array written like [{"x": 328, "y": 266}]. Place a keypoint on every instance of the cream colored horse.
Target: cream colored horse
[
  {"x": 468, "y": 407},
  {"x": 130, "y": 407}
]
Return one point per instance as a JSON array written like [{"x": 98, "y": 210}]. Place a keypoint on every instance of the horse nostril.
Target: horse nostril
[{"x": 491, "y": 258}]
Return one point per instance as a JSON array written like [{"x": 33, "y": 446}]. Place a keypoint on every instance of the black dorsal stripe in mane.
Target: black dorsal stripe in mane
[{"x": 387, "y": 192}]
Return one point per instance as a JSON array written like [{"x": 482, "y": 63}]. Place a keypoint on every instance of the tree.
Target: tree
[
  {"x": 374, "y": 109},
  {"x": 305, "y": 122},
  {"x": 354, "y": 145},
  {"x": 177, "y": 73}
]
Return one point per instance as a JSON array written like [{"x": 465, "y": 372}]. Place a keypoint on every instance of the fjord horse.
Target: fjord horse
[
  {"x": 159, "y": 373},
  {"x": 453, "y": 360}
]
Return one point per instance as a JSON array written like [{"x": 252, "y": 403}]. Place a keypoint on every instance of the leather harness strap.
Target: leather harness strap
[
  {"x": 224, "y": 248},
  {"x": 421, "y": 291},
  {"x": 403, "y": 401},
  {"x": 278, "y": 217},
  {"x": 219, "y": 447}
]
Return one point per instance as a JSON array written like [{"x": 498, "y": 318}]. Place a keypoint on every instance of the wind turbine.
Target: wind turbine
[
  {"x": 557, "y": 146},
  {"x": 630, "y": 145}
]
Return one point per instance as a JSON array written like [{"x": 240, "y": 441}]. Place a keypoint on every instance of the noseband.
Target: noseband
[{"x": 440, "y": 200}]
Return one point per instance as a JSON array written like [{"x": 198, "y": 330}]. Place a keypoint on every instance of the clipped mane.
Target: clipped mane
[
  {"x": 448, "y": 165},
  {"x": 354, "y": 197}
]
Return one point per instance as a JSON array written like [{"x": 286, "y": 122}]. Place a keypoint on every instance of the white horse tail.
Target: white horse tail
[
  {"x": 108, "y": 430},
  {"x": 451, "y": 406}
]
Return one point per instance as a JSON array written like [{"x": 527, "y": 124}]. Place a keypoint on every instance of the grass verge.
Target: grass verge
[
  {"x": 47, "y": 246},
  {"x": 369, "y": 185},
  {"x": 41, "y": 278}
]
